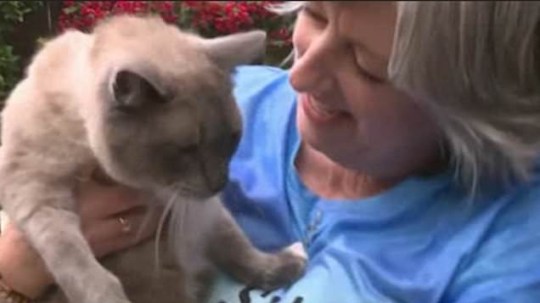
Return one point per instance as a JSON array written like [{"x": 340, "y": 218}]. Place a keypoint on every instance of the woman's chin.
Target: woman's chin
[
  {"x": 322, "y": 137},
  {"x": 316, "y": 140}
]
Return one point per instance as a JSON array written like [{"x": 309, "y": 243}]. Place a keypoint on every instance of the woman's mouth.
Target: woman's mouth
[{"x": 317, "y": 111}]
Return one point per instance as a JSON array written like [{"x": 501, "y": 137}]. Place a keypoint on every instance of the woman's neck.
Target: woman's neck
[{"x": 330, "y": 180}]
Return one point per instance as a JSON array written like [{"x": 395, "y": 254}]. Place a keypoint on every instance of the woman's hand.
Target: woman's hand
[
  {"x": 112, "y": 219},
  {"x": 21, "y": 268}
]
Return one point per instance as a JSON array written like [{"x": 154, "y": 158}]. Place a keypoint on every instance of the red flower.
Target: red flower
[{"x": 209, "y": 18}]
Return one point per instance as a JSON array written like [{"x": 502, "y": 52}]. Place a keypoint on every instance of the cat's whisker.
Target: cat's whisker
[
  {"x": 177, "y": 227},
  {"x": 147, "y": 218},
  {"x": 144, "y": 224},
  {"x": 168, "y": 207}
]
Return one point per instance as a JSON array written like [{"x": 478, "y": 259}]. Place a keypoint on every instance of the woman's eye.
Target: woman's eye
[
  {"x": 363, "y": 72},
  {"x": 369, "y": 76}
]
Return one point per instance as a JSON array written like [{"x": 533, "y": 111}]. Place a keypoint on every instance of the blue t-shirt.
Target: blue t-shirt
[{"x": 421, "y": 241}]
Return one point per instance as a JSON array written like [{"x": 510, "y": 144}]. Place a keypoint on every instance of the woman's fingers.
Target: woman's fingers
[
  {"x": 22, "y": 267},
  {"x": 121, "y": 230},
  {"x": 113, "y": 217},
  {"x": 99, "y": 201}
]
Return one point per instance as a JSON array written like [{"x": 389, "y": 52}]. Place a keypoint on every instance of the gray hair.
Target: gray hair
[
  {"x": 283, "y": 9},
  {"x": 287, "y": 7},
  {"x": 476, "y": 67}
]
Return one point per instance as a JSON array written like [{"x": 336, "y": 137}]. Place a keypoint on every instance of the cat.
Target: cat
[{"x": 151, "y": 105}]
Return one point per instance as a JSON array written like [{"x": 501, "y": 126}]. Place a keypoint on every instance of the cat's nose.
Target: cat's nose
[
  {"x": 218, "y": 186},
  {"x": 235, "y": 137},
  {"x": 232, "y": 142},
  {"x": 216, "y": 181}
]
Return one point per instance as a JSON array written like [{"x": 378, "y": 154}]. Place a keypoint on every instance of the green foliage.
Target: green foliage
[
  {"x": 14, "y": 11},
  {"x": 9, "y": 69},
  {"x": 11, "y": 14}
]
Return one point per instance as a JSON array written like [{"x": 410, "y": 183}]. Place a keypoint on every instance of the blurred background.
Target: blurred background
[{"x": 25, "y": 25}]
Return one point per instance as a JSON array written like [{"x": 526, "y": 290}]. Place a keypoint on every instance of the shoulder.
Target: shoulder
[
  {"x": 266, "y": 102},
  {"x": 251, "y": 77},
  {"x": 505, "y": 266},
  {"x": 262, "y": 86},
  {"x": 519, "y": 210},
  {"x": 255, "y": 194}
]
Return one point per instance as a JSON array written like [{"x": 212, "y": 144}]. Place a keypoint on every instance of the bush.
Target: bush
[
  {"x": 208, "y": 18},
  {"x": 12, "y": 13}
]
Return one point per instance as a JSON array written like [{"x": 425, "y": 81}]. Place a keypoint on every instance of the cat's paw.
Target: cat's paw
[
  {"x": 296, "y": 249},
  {"x": 109, "y": 297},
  {"x": 289, "y": 265},
  {"x": 108, "y": 290}
]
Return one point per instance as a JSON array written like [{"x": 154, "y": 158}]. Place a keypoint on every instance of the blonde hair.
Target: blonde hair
[{"x": 476, "y": 67}]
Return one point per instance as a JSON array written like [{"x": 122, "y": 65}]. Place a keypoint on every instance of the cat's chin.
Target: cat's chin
[
  {"x": 197, "y": 196},
  {"x": 201, "y": 195},
  {"x": 186, "y": 193}
]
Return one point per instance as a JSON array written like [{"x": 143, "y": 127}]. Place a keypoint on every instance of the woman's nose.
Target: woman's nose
[{"x": 311, "y": 70}]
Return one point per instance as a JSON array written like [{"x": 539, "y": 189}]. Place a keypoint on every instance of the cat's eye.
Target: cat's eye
[
  {"x": 188, "y": 149},
  {"x": 175, "y": 151}
]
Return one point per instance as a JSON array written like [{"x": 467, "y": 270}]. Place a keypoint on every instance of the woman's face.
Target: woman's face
[{"x": 347, "y": 109}]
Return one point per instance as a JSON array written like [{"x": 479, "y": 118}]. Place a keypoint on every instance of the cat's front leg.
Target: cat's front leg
[
  {"x": 233, "y": 252},
  {"x": 43, "y": 211}
]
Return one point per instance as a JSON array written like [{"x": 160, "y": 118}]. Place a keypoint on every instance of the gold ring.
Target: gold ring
[{"x": 126, "y": 226}]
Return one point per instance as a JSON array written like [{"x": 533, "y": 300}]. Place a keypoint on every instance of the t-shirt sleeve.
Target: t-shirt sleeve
[
  {"x": 506, "y": 266},
  {"x": 255, "y": 194}
]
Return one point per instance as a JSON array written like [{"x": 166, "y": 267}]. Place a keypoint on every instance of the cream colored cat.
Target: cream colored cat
[{"x": 152, "y": 106}]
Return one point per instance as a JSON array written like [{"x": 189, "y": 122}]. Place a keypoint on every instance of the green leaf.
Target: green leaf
[{"x": 70, "y": 10}]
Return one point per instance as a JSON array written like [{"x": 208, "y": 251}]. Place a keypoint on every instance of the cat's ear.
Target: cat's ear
[
  {"x": 237, "y": 49},
  {"x": 132, "y": 91}
]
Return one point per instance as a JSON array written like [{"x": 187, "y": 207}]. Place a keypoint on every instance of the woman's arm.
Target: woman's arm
[
  {"x": 100, "y": 207},
  {"x": 20, "y": 267}
]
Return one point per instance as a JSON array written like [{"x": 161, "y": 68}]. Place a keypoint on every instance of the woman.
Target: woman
[{"x": 400, "y": 147}]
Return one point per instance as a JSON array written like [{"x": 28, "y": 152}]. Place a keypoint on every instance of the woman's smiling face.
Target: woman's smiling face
[{"x": 347, "y": 109}]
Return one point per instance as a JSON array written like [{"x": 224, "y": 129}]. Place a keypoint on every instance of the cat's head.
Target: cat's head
[{"x": 165, "y": 116}]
